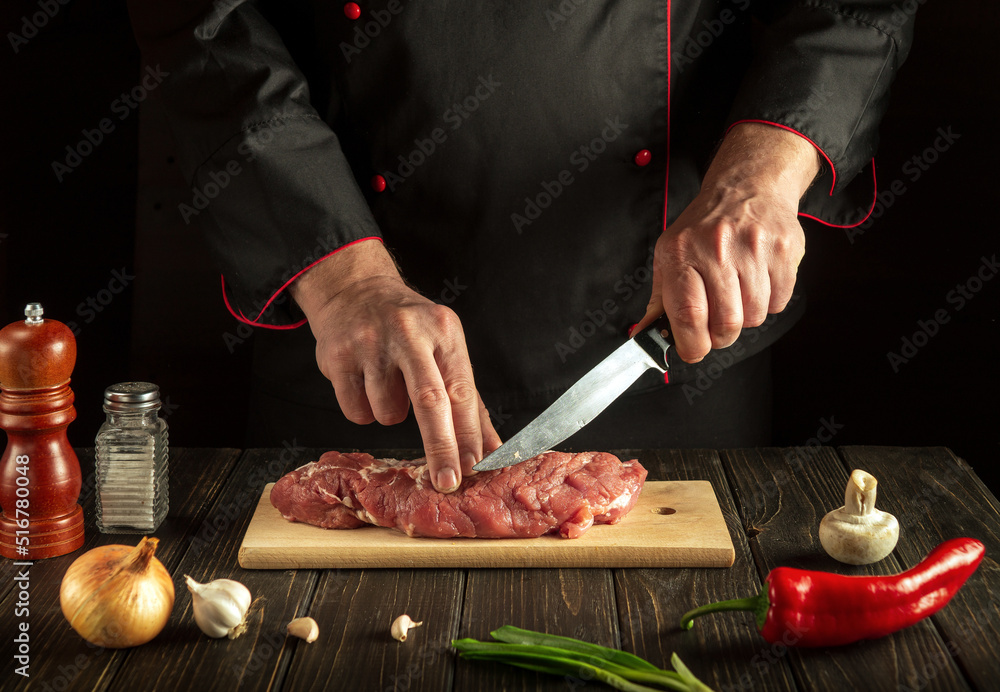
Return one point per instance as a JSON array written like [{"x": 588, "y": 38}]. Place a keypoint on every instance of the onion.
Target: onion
[{"x": 117, "y": 596}]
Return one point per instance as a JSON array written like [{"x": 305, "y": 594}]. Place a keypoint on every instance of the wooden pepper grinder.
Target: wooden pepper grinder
[{"x": 39, "y": 471}]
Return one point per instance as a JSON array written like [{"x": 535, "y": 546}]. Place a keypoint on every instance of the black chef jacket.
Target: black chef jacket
[{"x": 519, "y": 159}]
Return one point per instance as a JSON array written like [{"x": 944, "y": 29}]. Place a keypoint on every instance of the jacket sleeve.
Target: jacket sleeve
[
  {"x": 823, "y": 70},
  {"x": 270, "y": 184}
]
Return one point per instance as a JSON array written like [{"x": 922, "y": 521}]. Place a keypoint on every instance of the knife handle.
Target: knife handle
[{"x": 657, "y": 341}]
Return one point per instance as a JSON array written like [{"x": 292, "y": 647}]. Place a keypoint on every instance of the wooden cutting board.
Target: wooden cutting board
[{"x": 693, "y": 534}]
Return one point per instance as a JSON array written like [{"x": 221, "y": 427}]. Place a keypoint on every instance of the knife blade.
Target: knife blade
[
  {"x": 582, "y": 402},
  {"x": 594, "y": 392}
]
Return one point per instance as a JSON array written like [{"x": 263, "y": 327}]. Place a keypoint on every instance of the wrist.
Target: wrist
[
  {"x": 354, "y": 263},
  {"x": 764, "y": 157}
]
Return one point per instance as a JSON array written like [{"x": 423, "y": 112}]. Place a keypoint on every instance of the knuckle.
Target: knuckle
[
  {"x": 757, "y": 238},
  {"x": 781, "y": 245},
  {"x": 727, "y": 325},
  {"x": 429, "y": 397},
  {"x": 692, "y": 355},
  {"x": 789, "y": 245},
  {"x": 754, "y": 317},
  {"x": 461, "y": 391},
  {"x": 445, "y": 319},
  {"x": 778, "y": 302},
  {"x": 664, "y": 249},
  {"x": 689, "y": 316},
  {"x": 359, "y": 417},
  {"x": 440, "y": 449},
  {"x": 720, "y": 234},
  {"x": 392, "y": 416},
  {"x": 403, "y": 323}
]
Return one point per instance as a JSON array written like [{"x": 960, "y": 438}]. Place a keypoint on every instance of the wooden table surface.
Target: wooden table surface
[{"x": 773, "y": 500}]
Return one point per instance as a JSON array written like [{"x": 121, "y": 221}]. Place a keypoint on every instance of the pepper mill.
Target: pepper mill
[{"x": 39, "y": 472}]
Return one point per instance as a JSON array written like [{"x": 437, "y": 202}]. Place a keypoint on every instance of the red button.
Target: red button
[
  {"x": 378, "y": 183},
  {"x": 352, "y": 10},
  {"x": 643, "y": 157}
]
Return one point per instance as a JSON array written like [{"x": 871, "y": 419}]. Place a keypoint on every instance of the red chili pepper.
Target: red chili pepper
[{"x": 803, "y": 608}]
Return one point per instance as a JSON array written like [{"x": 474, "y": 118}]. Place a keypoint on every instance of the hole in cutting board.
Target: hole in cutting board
[{"x": 663, "y": 510}]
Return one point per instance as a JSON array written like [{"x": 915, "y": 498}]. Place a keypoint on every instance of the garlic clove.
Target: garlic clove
[
  {"x": 303, "y": 628},
  {"x": 400, "y": 626},
  {"x": 857, "y": 533},
  {"x": 220, "y": 606}
]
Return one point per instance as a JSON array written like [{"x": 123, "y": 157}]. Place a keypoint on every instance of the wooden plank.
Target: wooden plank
[
  {"x": 60, "y": 658},
  {"x": 694, "y": 534},
  {"x": 782, "y": 495},
  {"x": 723, "y": 650},
  {"x": 355, "y": 651},
  {"x": 937, "y": 497},
  {"x": 577, "y": 603},
  {"x": 182, "y": 657}
]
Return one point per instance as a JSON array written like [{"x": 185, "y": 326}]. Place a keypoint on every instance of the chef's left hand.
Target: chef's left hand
[{"x": 731, "y": 257}]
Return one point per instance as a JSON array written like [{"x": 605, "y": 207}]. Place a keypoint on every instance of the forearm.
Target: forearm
[
  {"x": 322, "y": 282},
  {"x": 765, "y": 158}
]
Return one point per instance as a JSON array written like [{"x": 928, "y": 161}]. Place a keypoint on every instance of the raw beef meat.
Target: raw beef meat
[{"x": 552, "y": 492}]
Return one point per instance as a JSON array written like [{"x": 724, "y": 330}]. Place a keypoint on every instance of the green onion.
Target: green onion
[
  {"x": 548, "y": 653},
  {"x": 515, "y": 635}
]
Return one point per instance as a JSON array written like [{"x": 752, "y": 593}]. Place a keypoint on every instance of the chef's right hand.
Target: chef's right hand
[{"x": 383, "y": 346}]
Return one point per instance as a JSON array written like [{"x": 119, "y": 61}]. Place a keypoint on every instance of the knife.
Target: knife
[{"x": 594, "y": 392}]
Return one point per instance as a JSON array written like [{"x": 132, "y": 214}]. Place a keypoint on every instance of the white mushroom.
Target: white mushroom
[{"x": 857, "y": 533}]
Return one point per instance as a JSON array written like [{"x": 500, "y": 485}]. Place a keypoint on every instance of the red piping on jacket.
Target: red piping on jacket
[
  {"x": 851, "y": 225},
  {"x": 666, "y": 184},
  {"x": 833, "y": 172},
  {"x": 254, "y": 323}
]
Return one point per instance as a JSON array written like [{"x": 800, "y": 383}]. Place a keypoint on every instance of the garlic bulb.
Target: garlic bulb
[
  {"x": 857, "y": 533},
  {"x": 220, "y": 606},
  {"x": 400, "y": 625}
]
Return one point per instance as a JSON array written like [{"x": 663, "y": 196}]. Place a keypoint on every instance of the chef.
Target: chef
[{"x": 471, "y": 204}]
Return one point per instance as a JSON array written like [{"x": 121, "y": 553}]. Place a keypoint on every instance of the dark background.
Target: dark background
[{"x": 61, "y": 242}]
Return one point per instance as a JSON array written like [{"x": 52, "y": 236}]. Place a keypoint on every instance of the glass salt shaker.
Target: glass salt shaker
[{"x": 132, "y": 454}]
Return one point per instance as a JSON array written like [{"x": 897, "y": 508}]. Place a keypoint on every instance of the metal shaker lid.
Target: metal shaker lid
[
  {"x": 33, "y": 313},
  {"x": 132, "y": 396}
]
